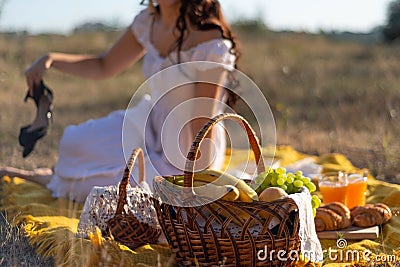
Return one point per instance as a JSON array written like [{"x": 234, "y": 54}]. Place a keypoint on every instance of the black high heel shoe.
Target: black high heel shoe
[{"x": 28, "y": 138}]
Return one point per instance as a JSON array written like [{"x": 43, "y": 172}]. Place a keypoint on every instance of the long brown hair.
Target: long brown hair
[{"x": 204, "y": 15}]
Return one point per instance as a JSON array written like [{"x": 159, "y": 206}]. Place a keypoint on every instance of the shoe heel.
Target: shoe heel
[{"x": 28, "y": 139}]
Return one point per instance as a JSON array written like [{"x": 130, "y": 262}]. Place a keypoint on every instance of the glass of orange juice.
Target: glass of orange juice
[
  {"x": 333, "y": 187},
  {"x": 356, "y": 190}
]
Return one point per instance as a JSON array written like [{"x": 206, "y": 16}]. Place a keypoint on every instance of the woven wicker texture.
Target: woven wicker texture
[
  {"x": 223, "y": 233},
  {"x": 124, "y": 226}
]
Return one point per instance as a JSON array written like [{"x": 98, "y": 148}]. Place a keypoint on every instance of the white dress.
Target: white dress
[{"x": 94, "y": 153}]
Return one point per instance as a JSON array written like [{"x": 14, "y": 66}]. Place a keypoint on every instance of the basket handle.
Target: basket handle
[
  {"x": 194, "y": 150},
  {"x": 123, "y": 186}
]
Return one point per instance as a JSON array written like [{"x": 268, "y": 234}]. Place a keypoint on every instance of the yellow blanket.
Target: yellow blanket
[{"x": 51, "y": 223}]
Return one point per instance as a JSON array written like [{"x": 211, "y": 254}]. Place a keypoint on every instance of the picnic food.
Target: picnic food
[
  {"x": 332, "y": 216},
  {"x": 370, "y": 215},
  {"x": 343, "y": 212},
  {"x": 287, "y": 181},
  {"x": 290, "y": 182},
  {"x": 356, "y": 190},
  {"x": 228, "y": 192},
  {"x": 272, "y": 193},
  {"x": 333, "y": 187},
  {"x": 222, "y": 178},
  {"x": 326, "y": 220},
  {"x": 217, "y": 184}
]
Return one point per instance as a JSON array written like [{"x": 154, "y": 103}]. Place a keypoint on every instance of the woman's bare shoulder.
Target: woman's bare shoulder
[{"x": 197, "y": 37}]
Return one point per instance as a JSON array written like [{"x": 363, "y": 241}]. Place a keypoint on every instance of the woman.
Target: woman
[{"x": 174, "y": 31}]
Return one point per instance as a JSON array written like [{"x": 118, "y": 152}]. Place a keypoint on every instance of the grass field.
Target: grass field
[
  {"x": 326, "y": 96},
  {"x": 15, "y": 248}
]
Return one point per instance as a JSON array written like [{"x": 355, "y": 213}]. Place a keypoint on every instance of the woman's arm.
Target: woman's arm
[
  {"x": 210, "y": 88},
  {"x": 122, "y": 54},
  {"x": 214, "y": 92}
]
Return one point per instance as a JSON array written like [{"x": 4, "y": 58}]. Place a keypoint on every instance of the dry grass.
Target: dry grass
[
  {"x": 331, "y": 96},
  {"x": 15, "y": 249},
  {"x": 76, "y": 100},
  {"x": 326, "y": 96}
]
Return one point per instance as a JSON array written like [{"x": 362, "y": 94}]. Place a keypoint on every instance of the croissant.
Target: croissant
[
  {"x": 343, "y": 211},
  {"x": 326, "y": 220},
  {"x": 370, "y": 215}
]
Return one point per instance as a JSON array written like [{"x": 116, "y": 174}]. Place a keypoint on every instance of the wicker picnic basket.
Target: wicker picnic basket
[
  {"x": 214, "y": 233},
  {"x": 132, "y": 225}
]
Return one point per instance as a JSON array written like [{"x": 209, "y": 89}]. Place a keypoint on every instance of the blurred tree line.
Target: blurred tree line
[{"x": 391, "y": 31}]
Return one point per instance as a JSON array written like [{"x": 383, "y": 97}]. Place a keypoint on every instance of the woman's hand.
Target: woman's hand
[
  {"x": 34, "y": 74},
  {"x": 122, "y": 54}
]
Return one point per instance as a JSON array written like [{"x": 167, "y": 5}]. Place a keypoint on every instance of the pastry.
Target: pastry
[
  {"x": 332, "y": 216},
  {"x": 327, "y": 220},
  {"x": 343, "y": 211},
  {"x": 370, "y": 215}
]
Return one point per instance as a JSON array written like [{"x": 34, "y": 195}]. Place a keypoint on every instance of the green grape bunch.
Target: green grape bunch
[{"x": 290, "y": 182}]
